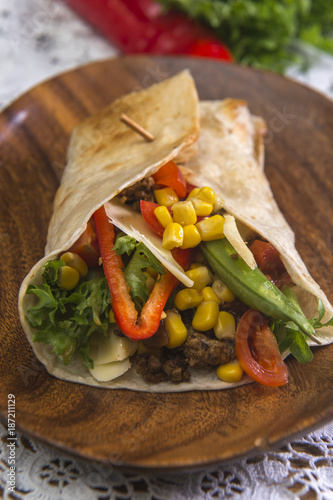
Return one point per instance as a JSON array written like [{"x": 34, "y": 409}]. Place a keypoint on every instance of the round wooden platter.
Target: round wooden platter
[{"x": 136, "y": 429}]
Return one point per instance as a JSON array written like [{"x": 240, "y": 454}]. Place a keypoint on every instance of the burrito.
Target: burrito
[{"x": 168, "y": 264}]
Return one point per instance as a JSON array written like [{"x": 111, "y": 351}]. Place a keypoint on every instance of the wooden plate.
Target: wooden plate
[{"x": 145, "y": 430}]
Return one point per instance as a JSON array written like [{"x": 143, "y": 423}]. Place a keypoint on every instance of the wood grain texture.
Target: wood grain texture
[{"x": 143, "y": 430}]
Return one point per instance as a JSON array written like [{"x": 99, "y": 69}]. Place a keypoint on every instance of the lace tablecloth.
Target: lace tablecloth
[{"x": 39, "y": 39}]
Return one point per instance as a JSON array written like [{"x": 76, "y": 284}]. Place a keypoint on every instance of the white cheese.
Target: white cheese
[
  {"x": 233, "y": 236},
  {"x": 110, "y": 371},
  {"x": 133, "y": 224},
  {"x": 113, "y": 348}
]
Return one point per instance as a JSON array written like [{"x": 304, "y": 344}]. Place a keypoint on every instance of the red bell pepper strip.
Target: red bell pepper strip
[
  {"x": 147, "y": 210},
  {"x": 124, "y": 309},
  {"x": 170, "y": 175},
  {"x": 144, "y": 27}
]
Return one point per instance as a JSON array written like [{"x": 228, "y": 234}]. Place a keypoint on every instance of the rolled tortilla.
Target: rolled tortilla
[{"x": 105, "y": 156}]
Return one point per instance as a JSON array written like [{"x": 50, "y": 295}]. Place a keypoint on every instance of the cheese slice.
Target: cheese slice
[
  {"x": 133, "y": 224},
  {"x": 233, "y": 236},
  {"x": 110, "y": 371},
  {"x": 112, "y": 348}
]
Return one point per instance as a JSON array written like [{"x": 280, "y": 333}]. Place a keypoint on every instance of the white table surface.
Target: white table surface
[{"x": 38, "y": 40}]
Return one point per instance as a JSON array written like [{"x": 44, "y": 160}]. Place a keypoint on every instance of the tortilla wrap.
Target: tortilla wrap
[{"x": 105, "y": 156}]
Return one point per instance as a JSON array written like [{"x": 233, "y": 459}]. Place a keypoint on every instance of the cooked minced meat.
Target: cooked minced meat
[
  {"x": 155, "y": 370},
  {"x": 141, "y": 190},
  {"x": 201, "y": 351}
]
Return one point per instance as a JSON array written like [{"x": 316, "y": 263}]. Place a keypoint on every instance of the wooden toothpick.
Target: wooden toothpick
[{"x": 135, "y": 126}]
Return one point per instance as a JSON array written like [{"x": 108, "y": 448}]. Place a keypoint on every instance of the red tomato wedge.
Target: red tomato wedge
[
  {"x": 257, "y": 350},
  {"x": 270, "y": 263},
  {"x": 87, "y": 247},
  {"x": 147, "y": 209},
  {"x": 171, "y": 176}
]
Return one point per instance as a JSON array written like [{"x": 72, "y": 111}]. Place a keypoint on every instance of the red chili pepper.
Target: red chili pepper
[
  {"x": 123, "y": 307},
  {"x": 143, "y": 27}
]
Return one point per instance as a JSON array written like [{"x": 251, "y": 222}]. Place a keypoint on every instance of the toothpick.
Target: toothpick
[{"x": 135, "y": 126}]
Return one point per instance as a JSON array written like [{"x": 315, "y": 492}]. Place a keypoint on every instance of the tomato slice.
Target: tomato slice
[
  {"x": 258, "y": 352},
  {"x": 87, "y": 247},
  {"x": 270, "y": 263},
  {"x": 147, "y": 209},
  {"x": 171, "y": 176}
]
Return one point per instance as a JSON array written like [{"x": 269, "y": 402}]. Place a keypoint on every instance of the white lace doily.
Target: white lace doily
[{"x": 301, "y": 469}]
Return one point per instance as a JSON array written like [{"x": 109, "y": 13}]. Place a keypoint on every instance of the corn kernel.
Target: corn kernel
[
  {"x": 187, "y": 299},
  {"x": 166, "y": 196},
  {"x": 150, "y": 282},
  {"x": 206, "y": 194},
  {"x": 225, "y": 327},
  {"x": 201, "y": 277},
  {"x": 183, "y": 212},
  {"x": 205, "y": 316},
  {"x": 194, "y": 192},
  {"x": 230, "y": 372},
  {"x": 201, "y": 207},
  {"x": 211, "y": 228},
  {"x": 176, "y": 329},
  {"x": 163, "y": 215},
  {"x": 68, "y": 277},
  {"x": 191, "y": 237},
  {"x": 112, "y": 319},
  {"x": 223, "y": 292},
  {"x": 74, "y": 260},
  {"x": 218, "y": 203},
  {"x": 152, "y": 272},
  {"x": 209, "y": 294},
  {"x": 195, "y": 265},
  {"x": 173, "y": 236}
]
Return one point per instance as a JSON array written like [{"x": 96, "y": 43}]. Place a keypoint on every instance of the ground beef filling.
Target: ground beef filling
[
  {"x": 155, "y": 369},
  {"x": 198, "y": 351},
  {"x": 141, "y": 190},
  {"x": 201, "y": 351}
]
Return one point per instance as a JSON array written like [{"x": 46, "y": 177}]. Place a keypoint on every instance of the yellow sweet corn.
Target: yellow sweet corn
[
  {"x": 74, "y": 260},
  {"x": 191, "y": 237},
  {"x": 183, "y": 212},
  {"x": 112, "y": 319},
  {"x": 211, "y": 228},
  {"x": 150, "y": 282},
  {"x": 68, "y": 277},
  {"x": 173, "y": 236},
  {"x": 152, "y": 272},
  {"x": 209, "y": 294},
  {"x": 194, "y": 265},
  {"x": 176, "y": 329},
  {"x": 205, "y": 316},
  {"x": 163, "y": 215},
  {"x": 201, "y": 207},
  {"x": 230, "y": 372},
  {"x": 206, "y": 194},
  {"x": 201, "y": 277},
  {"x": 188, "y": 298},
  {"x": 225, "y": 327},
  {"x": 166, "y": 196},
  {"x": 223, "y": 292},
  {"x": 193, "y": 193}
]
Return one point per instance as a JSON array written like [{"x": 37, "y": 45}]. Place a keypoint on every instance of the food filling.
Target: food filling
[{"x": 184, "y": 291}]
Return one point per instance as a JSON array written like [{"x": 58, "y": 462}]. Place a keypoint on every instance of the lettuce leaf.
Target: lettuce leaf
[
  {"x": 65, "y": 320},
  {"x": 135, "y": 275}
]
